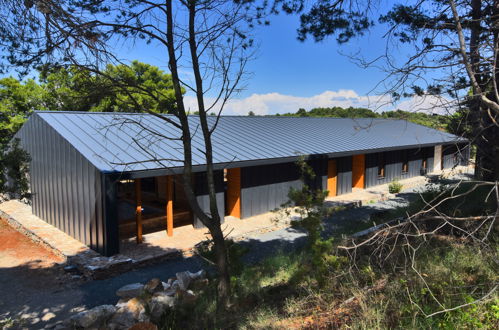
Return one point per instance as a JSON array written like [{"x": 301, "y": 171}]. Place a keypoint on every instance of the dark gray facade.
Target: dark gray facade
[
  {"x": 201, "y": 191},
  {"x": 453, "y": 155},
  {"x": 344, "y": 175},
  {"x": 266, "y": 187},
  {"x": 394, "y": 163},
  {"x": 67, "y": 190}
]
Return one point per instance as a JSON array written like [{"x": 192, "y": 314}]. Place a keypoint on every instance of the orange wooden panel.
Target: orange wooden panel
[
  {"x": 331, "y": 177},
  {"x": 138, "y": 210},
  {"x": 234, "y": 192},
  {"x": 169, "y": 205},
  {"x": 358, "y": 170}
]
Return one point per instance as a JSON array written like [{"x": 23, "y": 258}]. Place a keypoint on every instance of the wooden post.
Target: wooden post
[
  {"x": 138, "y": 210},
  {"x": 234, "y": 192},
  {"x": 358, "y": 170},
  {"x": 169, "y": 205},
  {"x": 331, "y": 177}
]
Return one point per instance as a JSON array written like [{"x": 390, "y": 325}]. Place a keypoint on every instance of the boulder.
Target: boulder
[
  {"x": 154, "y": 285},
  {"x": 158, "y": 304},
  {"x": 187, "y": 297},
  {"x": 128, "y": 314},
  {"x": 122, "y": 302},
  {"x": 136, "y": 307},
  {"x": 94, "y": 317},
  {"x": 200, "y": 284},
  {"x": 130, "y": 290},
  {"x": 185, "y": 278},
  {"x": 122, "y": 319}
]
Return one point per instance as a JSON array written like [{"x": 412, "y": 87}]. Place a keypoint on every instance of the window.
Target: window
[
  {"x": 405, "y": 162},
  {"x": 425, "y": 164},
  {"x": 381, "y": 165}
]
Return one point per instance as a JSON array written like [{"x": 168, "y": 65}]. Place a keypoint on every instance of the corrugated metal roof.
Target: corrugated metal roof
[{"x": 126, "y": 142}]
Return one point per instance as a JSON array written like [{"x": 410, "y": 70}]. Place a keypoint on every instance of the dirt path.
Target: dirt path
[{"x": 26, "y": 270}]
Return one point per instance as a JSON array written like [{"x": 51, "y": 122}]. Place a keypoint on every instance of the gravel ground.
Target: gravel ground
[{"x": 64, "y": 300}]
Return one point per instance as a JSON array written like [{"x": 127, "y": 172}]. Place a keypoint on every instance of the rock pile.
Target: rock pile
[{"x": 140, "y": 305}]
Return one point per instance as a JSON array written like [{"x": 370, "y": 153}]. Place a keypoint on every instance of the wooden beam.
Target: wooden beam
[
  {"x": 234, "y": 192},
  {"x": 358, "y": 170},
  {"x": 331, "y": 178},
  {"x": 138, "y": 209},
  {"x": 169, "y": 205}
]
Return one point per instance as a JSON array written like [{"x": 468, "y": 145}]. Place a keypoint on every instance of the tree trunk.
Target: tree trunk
[{"x": 215, "y": 229}]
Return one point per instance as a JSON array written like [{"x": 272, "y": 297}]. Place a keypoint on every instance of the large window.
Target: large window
[{"x": 381, "y": 165}]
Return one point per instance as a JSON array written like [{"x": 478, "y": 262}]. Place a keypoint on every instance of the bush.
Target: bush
[{"x": 395, "y": 187}]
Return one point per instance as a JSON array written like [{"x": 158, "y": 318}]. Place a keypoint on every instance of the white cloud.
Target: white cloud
[
  {"x": 273, "y": 103},
  {"x": 429, "y": 104}
]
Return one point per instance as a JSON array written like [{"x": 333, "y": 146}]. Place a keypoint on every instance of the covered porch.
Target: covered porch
[{"x": 151, "y": 205}]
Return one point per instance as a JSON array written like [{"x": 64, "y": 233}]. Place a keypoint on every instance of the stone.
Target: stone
[
  {"x": 144, "y": 326},
  {"x": 48, "y": 316},
  {"x": 154, "y": 285},
  {"x": 122, "y": 302},
  {"x": 170, "y": 292},
  {"x": 166, "y": 286},
  {"x": 158, "y": 304},
  {"x": 185, "y": 278},
  {"x": 94, "y": 317},
  {"x": 53, "y": 325},
  {"x": 188, "y": 297},
  {"x": 130, "y": 290},
  {"x": 71, "y": 269},
  {"x": 122, "y": 319},
  {"x": 128, "y": 314},
  {"x": 200, "y": 284},
  {"x": 135, "y": 306}
]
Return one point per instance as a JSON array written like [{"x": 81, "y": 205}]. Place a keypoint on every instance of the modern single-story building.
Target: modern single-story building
[{"x": 103, "y": 177}]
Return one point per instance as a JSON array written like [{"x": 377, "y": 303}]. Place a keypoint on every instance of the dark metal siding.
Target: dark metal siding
[
  {"x": 430, "y": 158},
  {"x": 455, "y": 154},
  {"x": 264, "y": 188},
  {"x": 449, "y": 159},
  {"x": 319, "y": 166},
  {"x": 393, "y": 165},
  {"x": 344, "y": 175},
  {"x": 371, "y": 177},
  {"x": 201, "y": 191},
  {"x": 66, "y": 188}
]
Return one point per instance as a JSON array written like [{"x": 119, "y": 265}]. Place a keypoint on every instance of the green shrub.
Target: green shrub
[{"x": 395, "y": 187}]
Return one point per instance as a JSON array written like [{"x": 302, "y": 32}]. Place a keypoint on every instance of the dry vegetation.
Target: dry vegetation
[{"x": 436, "y": 270}]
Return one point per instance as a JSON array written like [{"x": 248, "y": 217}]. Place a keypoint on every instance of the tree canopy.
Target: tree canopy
[{"x": 441, "y": 122}]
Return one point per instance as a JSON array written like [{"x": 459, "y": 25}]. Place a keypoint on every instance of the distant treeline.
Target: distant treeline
[{"x": 441, "y": 122}]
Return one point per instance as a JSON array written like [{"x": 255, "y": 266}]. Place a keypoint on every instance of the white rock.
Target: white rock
[
  {"x": 185, "y": 278},
  {"x": 48, "y": 316},
  {"x": 130, "y": 290},
  {"x": 159, "y": 303},
  {"x": 93, "y": 317}
]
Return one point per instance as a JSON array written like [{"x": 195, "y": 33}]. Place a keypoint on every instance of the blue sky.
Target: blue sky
[{"x": 288, "y": 74}]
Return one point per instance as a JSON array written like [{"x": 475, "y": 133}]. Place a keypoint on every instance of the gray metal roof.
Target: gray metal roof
[{"x": 126, "y": 142}]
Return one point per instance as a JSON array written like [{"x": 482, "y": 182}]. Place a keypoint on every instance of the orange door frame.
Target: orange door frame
[
  {"x": 358, "y": 171},
  {"x": 234, "y": 192}
]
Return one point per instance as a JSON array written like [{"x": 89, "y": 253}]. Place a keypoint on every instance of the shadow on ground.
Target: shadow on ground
[{"x": 32, "y": 293}]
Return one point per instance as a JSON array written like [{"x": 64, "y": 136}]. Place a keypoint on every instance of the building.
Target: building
[{"x": 102, "y": 177}]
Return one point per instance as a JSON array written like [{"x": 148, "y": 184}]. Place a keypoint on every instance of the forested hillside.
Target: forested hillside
[{"x": 441, "y": 122}]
